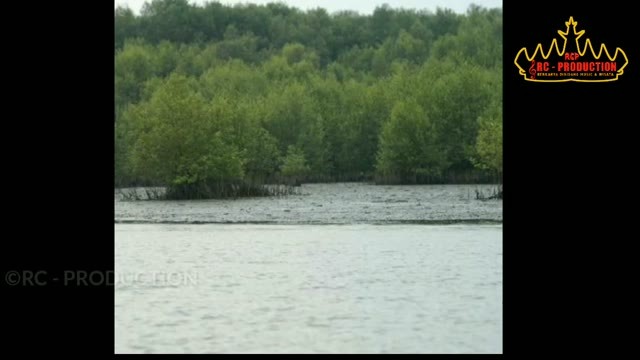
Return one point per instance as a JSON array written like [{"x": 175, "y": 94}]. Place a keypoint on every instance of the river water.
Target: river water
[{"x": 349, "y": 268}]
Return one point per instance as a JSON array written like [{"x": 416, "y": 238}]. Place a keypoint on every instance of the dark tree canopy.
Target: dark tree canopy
[{"x": 248, "y": 93}]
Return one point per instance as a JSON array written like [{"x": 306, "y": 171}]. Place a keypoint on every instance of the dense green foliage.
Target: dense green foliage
[{"x": 218, "y": 95}]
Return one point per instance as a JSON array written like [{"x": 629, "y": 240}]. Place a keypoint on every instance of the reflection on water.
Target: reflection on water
[{"x": 308, "y": 288}]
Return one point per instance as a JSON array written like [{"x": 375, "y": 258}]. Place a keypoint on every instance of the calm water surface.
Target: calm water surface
[{"x": 300, "y": 287}]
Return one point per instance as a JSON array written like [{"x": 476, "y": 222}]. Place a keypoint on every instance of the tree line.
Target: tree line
[{"x": 211, "y": 97}]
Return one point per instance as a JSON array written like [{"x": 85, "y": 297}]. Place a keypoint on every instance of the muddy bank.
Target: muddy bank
[{"x": 342, "y": 203}]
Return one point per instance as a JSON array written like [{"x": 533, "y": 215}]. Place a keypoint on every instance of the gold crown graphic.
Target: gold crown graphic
[{"x": 574, "y": 61}]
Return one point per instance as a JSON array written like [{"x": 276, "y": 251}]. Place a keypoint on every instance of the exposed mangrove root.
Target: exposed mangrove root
[
  {"x": 225, "y": 191},
  {"x": 141, "y": 193},
  {"x": 495, "y": 194},
  {"x": 207, "y": 191}
]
